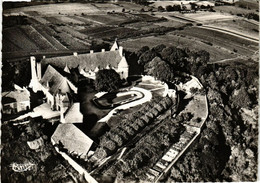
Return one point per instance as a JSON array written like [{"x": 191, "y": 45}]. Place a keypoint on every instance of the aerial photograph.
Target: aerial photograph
[{"x": 129, "y": 91}]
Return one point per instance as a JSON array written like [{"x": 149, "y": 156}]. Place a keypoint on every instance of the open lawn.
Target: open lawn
[{"x": 171, "y": 39}]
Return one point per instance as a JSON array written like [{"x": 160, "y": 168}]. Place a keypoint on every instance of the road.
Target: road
[{"x": 183, "y": 19}]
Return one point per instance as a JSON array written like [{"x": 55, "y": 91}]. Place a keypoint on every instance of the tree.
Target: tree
[
  {"x": 241, "y": 98},
  {"x": 159, "y": 69},
  {"x": 161, "y": 9},
  {"x": 146, "y": 57},
  {"x": 107, "y": 80},
  {"x": 169, "y": 8}
]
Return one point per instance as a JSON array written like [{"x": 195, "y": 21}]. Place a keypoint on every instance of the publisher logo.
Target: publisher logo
[{"x": 23, "y": 167}]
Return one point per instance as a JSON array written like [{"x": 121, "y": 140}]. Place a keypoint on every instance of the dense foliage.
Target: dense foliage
[
  {"x": 107, "y": 80},
  {"x": 127, "y": 129},
  {"x": 227, "y": 148},
  {"x": 48, "y": 166}
]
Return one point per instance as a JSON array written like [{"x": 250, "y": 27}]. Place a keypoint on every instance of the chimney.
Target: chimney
[
  {"x": 121, "y": 50},
  {"x": 39, "y": 70},
  {"x": 103, "y": 50},
  {"x": 75, "y": 54},
  {"x": 91, "y": 51},
  {"x": 33, "y": 67}
]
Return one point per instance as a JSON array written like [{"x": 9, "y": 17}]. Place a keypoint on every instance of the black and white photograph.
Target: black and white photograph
[{"x": 129, "y": 91}]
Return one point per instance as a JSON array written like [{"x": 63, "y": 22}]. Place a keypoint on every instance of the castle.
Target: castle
[{"x": 57, "y": 88}]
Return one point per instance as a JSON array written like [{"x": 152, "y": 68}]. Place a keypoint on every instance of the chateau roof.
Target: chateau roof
[
  {"x": 72, "y": 138},
  {"x": 74, "y": 115},
  {"x": 55, "y": 81},
  {"x": 86, "y": 61}
]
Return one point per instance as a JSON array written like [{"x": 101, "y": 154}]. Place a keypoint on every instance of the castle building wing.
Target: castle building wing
[
  {"x": 87, "y": 62},
  {"x": 53, "y": 80}
]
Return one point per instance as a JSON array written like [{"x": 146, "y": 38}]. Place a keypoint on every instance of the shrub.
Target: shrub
[
  {"x": 145, "y": 118},
  {"x": 155, "y": 112},
  {"x": 129, "y": 130},
  {"x": 100, "y": 153},
  {"x": 110, "y": 145},
  {"x": 140, "y": 123}
]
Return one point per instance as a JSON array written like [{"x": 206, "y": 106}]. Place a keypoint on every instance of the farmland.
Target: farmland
[
  {"x": 229, "y": 42},
  {"x": 74, "y": 26},
  {"x": 239, "y": 25},
  {"x": 176, "y": 39}
]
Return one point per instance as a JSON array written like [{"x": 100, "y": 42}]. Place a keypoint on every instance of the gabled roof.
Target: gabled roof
[
  {"x": 72, "y": 138},
  {"x": 55, "y": 81},
  {"x": 66, "y": 69},
  {"x": 114, "y": 47},
  {"x": 74, "y": 115},
  {"x": 86, "y": 61}
]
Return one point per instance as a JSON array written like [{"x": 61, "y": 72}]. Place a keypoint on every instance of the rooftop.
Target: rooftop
[
  {"x": 72, "y": 138},
  {"x": 86, "y": 62}
]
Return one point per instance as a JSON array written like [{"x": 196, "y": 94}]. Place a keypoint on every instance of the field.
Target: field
[
  {"x": 241, "y": 26},
  {"x": 74, "y": 26},
  {"x": 209, "y": 16},
  {"x": 233, "y": 10},
  {"x": 229, "y": 42},
  {"x": 171, "y": 39}
]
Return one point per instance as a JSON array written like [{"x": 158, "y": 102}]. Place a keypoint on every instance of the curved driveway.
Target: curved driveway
[{"x": 147, "y": 97}]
